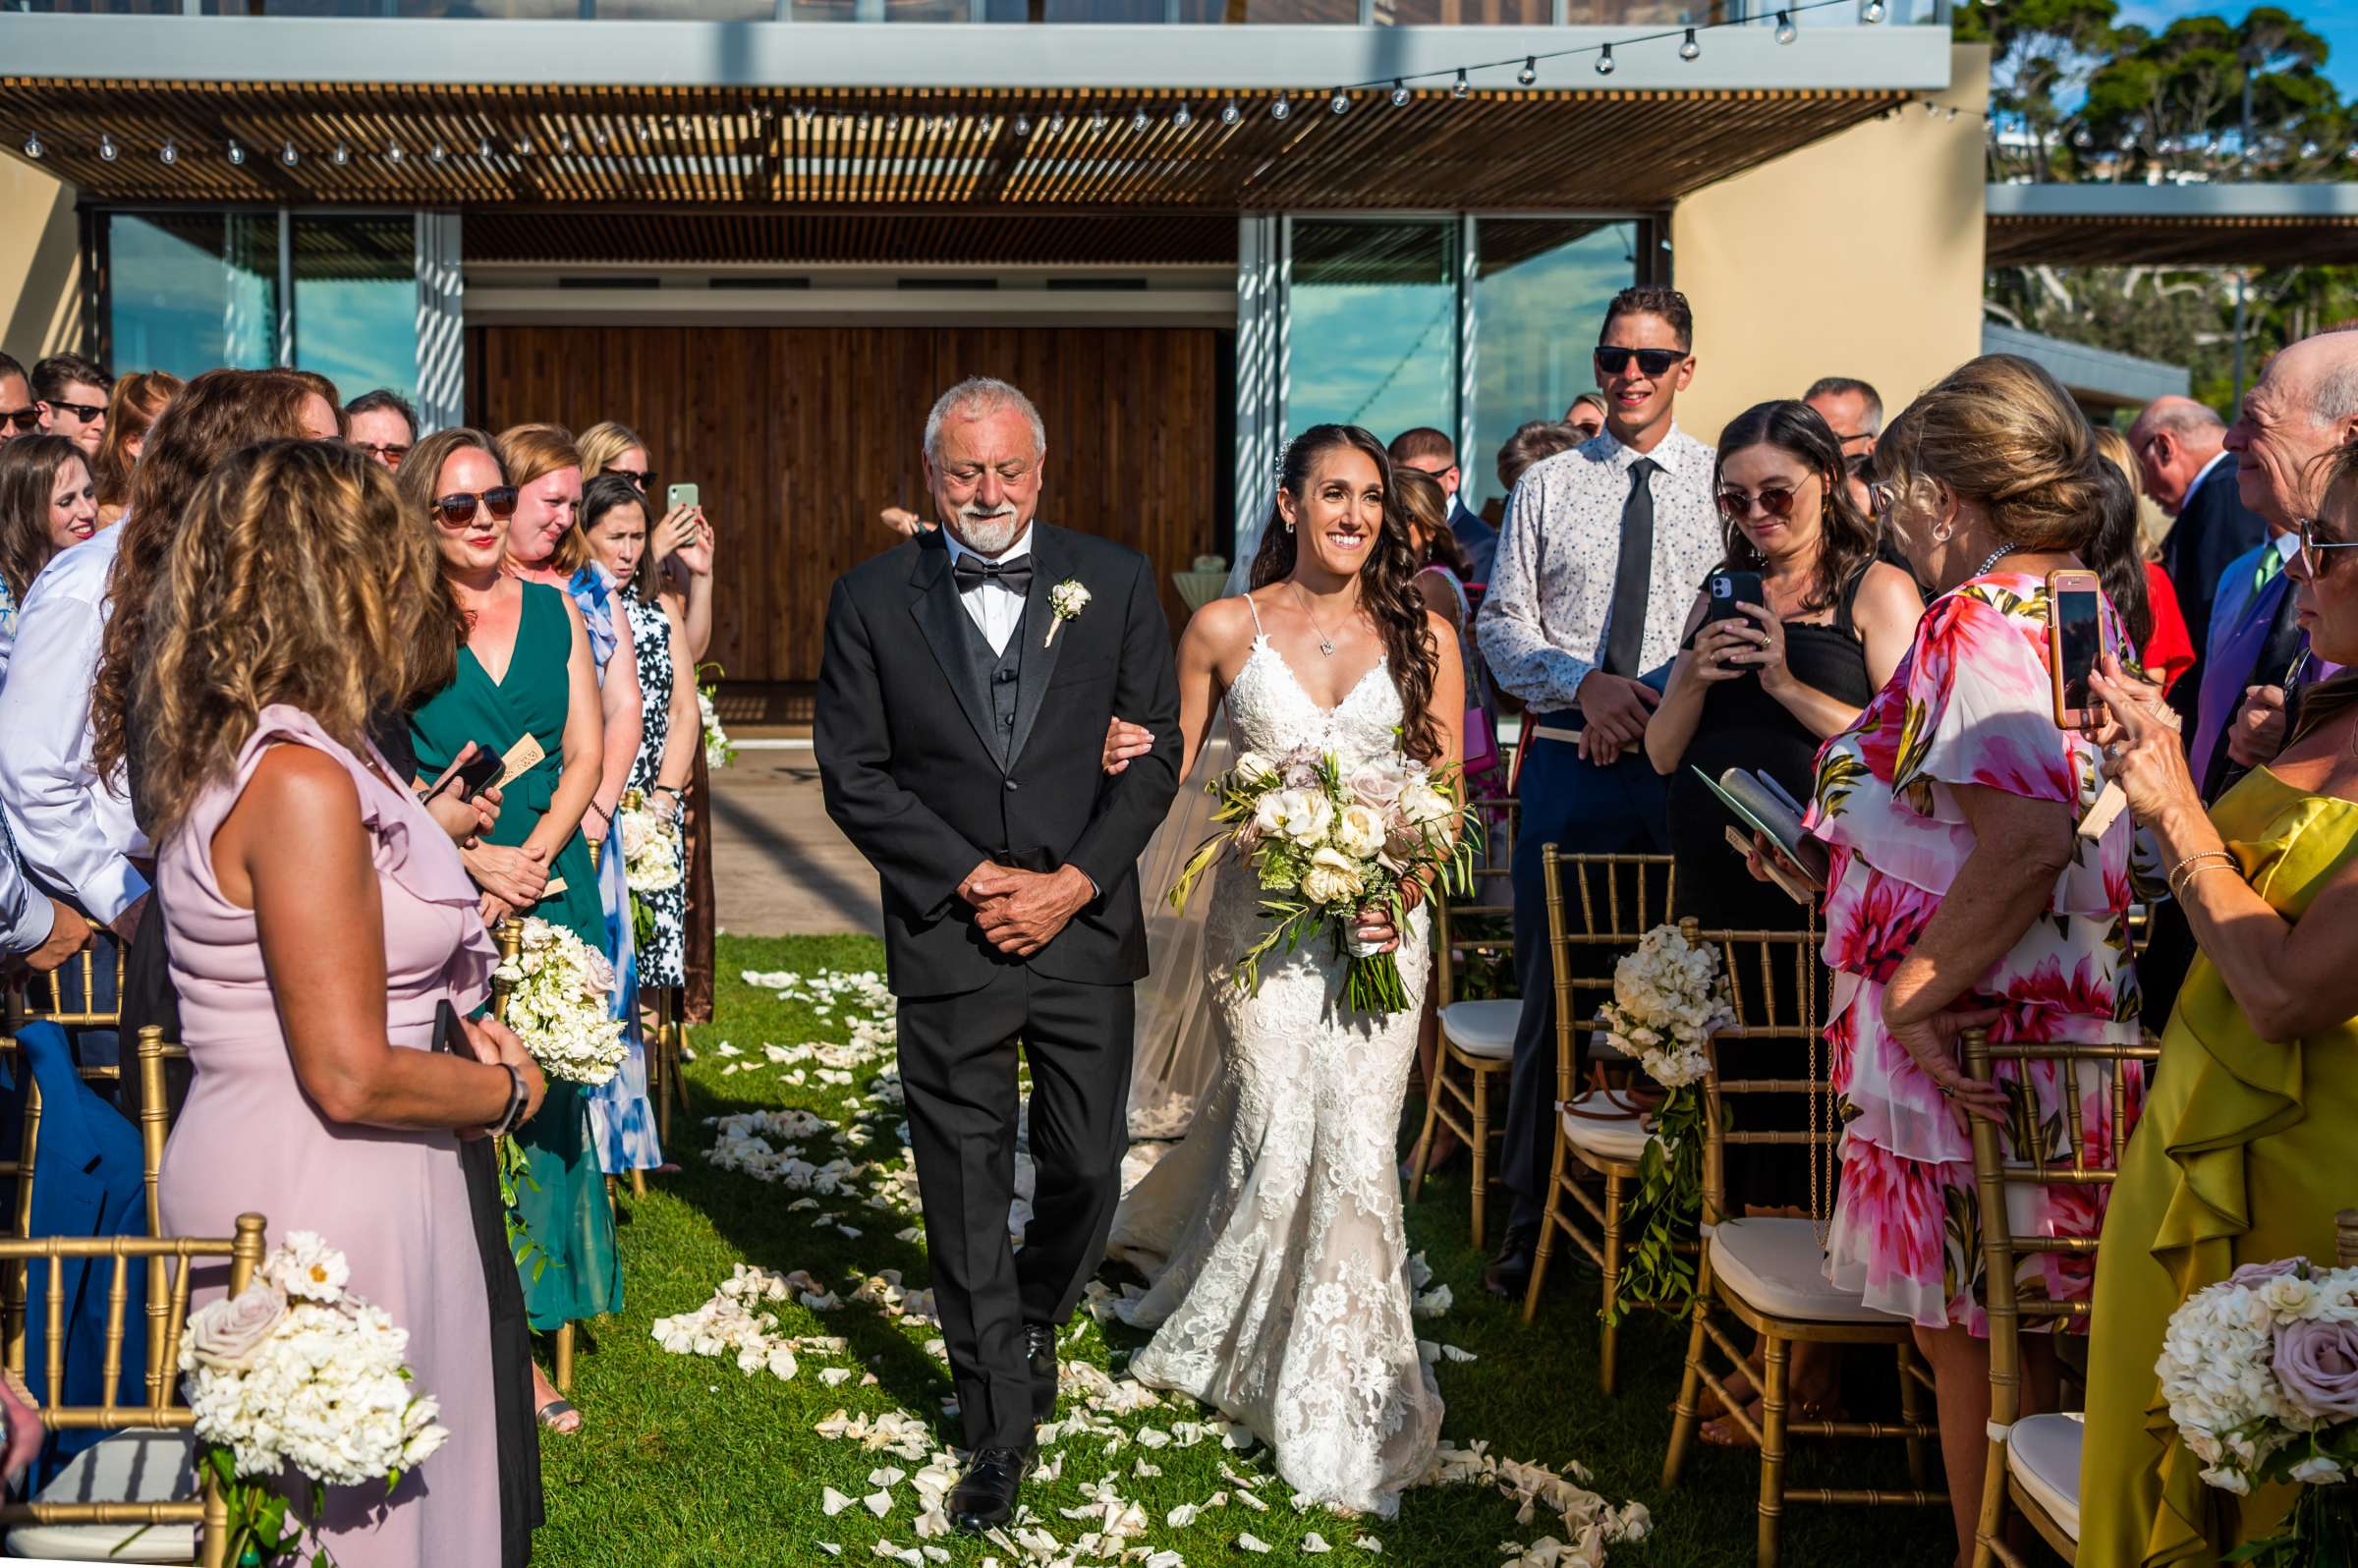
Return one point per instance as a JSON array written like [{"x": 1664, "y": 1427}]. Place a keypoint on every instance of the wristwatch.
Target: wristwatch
[{"x": 518, "y": 1098}]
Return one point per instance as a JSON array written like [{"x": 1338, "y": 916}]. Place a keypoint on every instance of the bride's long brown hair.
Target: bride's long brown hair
[{"x": 1386, "y": 583}]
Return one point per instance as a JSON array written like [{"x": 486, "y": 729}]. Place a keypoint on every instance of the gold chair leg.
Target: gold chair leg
[
  {"x": 1911, "y": 1411},
  {"x": 562, "y": 1376},
  {"x": 1550, "y": 1223},
  {"x": 637, "y": 1183},
  {"x": 1432, "y": 1115},
  {"x": 1609, "y": 1338},
  {"x": 1685, "y": 1415},
  {"x": 1772, "y": 1449},
  {"x": 1482, "y": 1151}
]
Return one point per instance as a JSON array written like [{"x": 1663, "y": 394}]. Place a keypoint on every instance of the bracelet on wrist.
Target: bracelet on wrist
[{"x": 513, "y": 1112}]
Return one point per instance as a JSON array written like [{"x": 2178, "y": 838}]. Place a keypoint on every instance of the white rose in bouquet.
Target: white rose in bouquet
[
  {"x": 1333, "y": 877},
  {"x": 1359, "y": 830},
  {"x": 1304, "y": 815},
  {"x": 1377, "y": 784},
  {"x": 1253, "y": 769},
  {"x": 1425, "y": 805}
]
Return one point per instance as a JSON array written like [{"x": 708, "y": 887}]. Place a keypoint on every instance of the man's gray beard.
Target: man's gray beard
[{"x": 986, "y": 535}]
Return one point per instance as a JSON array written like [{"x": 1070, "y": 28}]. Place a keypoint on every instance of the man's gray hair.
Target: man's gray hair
[
  {"x": 974, "y": 398},
  {"x": 2334, "y": 396},
  {"x": 2182, "y": 417},
  {"x": 1837, "y": 386}
]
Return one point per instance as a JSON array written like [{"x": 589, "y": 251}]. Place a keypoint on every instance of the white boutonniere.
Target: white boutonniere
[{"x": 1067, "y": 600}]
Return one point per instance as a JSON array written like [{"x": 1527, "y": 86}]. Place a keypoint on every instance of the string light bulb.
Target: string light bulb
[
  {"x": 341, "y": 155},
  {"x": 167, "y": 154},
  {"x": 1604, "y": 61},
  {"x": 1873, "y": 12},
  {"x": 1230, "y": 113},
  {"x": 564, "y": 142},
  {"x": 33, "y": 144},
  {"x": 483, "y": 148},
  {"x": 1531, "y": 69},
  {"x": 1787, "y": 32},
  {"x": 1399, "y": 93},
  {"x": 597, "y": 134},
  {"x": 289, "y": 154},
  {"x": 107, "y": 148},
  {"x": 1097, "y": 118},
  {"x": 1022, "y": 125},
  {"x": 1142, "y": 122},
  {"x": 1689, "y": 48},
  {"x": 523, "y": 145},
  {"x": 1281, "y": 108},
  {"x": 1461, "y": 88},
  {"x": 395, "y": 152},
  {"x": 1180, "y": 116},
  {"x": 237, "y": 154},
  {"x": 1341, "y": 103},
  {"x": 1056, "y": 122},
  {"x": 437, "y": 153}
]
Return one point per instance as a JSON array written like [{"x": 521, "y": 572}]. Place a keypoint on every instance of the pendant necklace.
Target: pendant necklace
[{"x": 1325, "y": 642}]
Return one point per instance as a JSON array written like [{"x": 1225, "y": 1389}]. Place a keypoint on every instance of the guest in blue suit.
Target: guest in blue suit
[
  {"x": 1432, "y": 452},
  {"x": 2182, "y": 454}
]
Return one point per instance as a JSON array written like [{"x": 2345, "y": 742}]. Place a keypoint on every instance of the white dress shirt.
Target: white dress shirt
[
  {"x": 73, "y": 830},
  {"x": 995, "y": 608},
  {"x": 26, "y": 918},
  {"x": 1543, "y": 625}
]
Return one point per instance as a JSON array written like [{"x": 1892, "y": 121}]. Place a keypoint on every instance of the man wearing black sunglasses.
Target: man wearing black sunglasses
[
  {"x": 1603, "y": 550},
  {"x": 17, "y": 415},
  {"x": 71, "y": 393}
]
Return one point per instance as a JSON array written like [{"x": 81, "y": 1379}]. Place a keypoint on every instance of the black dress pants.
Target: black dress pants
[{"x": 958, "y": 1072}]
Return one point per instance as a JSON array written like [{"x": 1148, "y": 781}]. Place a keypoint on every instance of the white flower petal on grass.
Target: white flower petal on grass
[
  {"x": 1248, "y": 1541},
  {"x": 1182, "y": 1516},
  {"x": 878, "y": 1503},
  {"x": 1368, "y": 1544},
  {"x": 832, "y": 1502},
  {"x": 834, "y": 1376},
  {"x": 1314, "y": 1544}
]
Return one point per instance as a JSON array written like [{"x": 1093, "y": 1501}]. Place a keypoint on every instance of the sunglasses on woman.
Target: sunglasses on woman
[
  {"x": 1653, "y": 363},
  {"x": 1774, "y": 499},
  {"x": 2313, "y": 548},
  {"x": 457, "y": 511},
  {"x": 642, "y": 477}
]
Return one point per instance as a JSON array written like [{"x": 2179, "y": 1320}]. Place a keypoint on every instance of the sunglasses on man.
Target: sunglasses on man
[
  {"x": 388, "y": 453},
  {"x": 457, "y": 511},
  {"x": 27, "y": 420},
  {"x": 1653, "y": 363},
  {"x": 85, "y": 412}
]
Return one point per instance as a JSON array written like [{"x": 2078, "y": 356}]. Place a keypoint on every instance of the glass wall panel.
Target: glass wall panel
[
  {"x": 1464, "y": 14},
  {"x": 356, "y": 301},
  {"x": 1372, "y": 324},
  {"x": 1540, "y": 294},
  {"x": 193, "y": 291}
]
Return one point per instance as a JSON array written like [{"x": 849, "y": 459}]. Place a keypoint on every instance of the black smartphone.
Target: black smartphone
[
  {"x": 475, "y": 775},
  {"x": 2076, "y": 634},
  {"x": 1724, "y": 591},
  {"x": 449, "y": 1038}
]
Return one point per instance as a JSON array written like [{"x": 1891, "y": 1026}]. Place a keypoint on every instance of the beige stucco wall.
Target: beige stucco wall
[
  {"x": 1857, "y": 255},
  {"x": 40, "y": 265}
]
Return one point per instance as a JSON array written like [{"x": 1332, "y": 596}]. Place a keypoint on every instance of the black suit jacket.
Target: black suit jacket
[
  {"x": 2213, "y": 527},
  {"x": 904, "y": 738}
]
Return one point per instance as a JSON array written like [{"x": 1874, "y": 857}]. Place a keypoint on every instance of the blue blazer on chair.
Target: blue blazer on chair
[{"x": 88, "y": 1179}]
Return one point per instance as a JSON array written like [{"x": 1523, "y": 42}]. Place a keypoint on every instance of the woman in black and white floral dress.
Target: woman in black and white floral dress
[{"x": 614, "y": 520}]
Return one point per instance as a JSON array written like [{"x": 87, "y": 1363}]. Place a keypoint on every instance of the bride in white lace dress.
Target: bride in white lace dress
[{"x": 1271, "y": 1237}]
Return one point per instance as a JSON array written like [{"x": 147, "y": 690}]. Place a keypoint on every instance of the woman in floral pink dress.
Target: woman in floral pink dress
[{"x": 1959, "y": 892}]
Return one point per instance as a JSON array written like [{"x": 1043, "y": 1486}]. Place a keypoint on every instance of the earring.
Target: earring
[
  {"x": 1289, "y": 525},
  {"x": 1941, "y": 532}
]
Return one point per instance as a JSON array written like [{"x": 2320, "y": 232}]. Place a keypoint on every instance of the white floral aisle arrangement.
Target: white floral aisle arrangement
[
  {"x": 652, "y": 856},
  {"x": 1330, "y": 846},
  {"x": 299, "y": 1372},
  {"x": 719, "y": 750},
  {"x": 560, "y": 994},
  {"x": 1670, "y": 998},
  {"x": 2260, "y": 1373}
]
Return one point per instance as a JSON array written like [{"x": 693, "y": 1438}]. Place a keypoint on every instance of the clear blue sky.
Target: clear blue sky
[{"x": 2336, "y": 21}]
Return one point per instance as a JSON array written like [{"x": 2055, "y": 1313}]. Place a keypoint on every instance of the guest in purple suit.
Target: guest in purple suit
[{"x": 319, "y": 921}]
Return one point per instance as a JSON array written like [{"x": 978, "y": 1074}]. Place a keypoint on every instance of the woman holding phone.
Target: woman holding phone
[{"x": 1959, "y": 892}]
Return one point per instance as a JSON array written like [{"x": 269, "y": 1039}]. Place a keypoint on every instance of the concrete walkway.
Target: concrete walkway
[{"x": 781, "y": 867}]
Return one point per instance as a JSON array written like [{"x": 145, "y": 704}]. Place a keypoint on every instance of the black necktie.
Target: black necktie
[
  {"x": 1013, "y": 574},
  {"x": 1633, "y": 578}
]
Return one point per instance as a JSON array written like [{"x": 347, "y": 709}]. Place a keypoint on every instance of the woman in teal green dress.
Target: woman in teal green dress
[{"x": 525, "y": 674}]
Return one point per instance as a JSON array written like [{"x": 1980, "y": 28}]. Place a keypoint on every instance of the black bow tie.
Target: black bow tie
[{"x": 1013, "y": 574}]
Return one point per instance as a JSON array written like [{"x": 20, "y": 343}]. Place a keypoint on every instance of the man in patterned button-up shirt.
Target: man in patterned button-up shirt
[{"x": 1554, "y": 632}]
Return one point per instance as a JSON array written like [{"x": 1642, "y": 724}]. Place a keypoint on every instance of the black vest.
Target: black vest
[{"x": 1000, "y": 673}]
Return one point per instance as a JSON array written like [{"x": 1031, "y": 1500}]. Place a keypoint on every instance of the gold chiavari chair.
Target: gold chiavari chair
[
  {"x": 155, "y": 1130},
  {"x": 1767, "y": 1272},
  {"x": 1600, "y": 1136},
  {"x": 29, "y": 1005},
  {"x": 2035, "y": 1460},
  {"x": 1477, "y": 1035},
  {"x": 143, "y": 1476}
]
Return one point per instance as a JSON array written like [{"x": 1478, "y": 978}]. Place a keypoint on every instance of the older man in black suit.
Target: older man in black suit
[{"x": 2181, "y": 453}]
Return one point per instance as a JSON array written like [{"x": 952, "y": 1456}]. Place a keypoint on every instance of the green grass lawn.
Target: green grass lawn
[{"x": 685, "y": 1460}]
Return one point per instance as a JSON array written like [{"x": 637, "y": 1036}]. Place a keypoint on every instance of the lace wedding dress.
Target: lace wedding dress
[{"x": 1272, "y": 1236}]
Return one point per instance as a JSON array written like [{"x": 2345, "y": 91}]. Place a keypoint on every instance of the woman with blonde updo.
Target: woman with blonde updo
[
  {"x": 1959, "y": 894},
  {"x": 137, "y": 402},
  {"x": 318, "y": 923}
]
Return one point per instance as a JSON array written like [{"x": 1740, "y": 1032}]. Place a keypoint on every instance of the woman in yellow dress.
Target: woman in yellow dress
[{"x": 2244, "y": 1152}]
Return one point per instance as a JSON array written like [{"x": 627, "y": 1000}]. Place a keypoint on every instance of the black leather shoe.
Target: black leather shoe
[
  {"x": 1039, "y": 1349},
  {"x": 1509, "y": 1272},
  {"x": 984, "y": 1496}
]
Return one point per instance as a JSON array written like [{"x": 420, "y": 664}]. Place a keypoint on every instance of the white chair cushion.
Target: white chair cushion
[
  {"x": 1613, "y": 1128},
  {"x": 2043, "y": 1454},
  {"x": 139, "y": 1465},
  {"x": 1483, "y": 1028},
  {"x": 1775, "y": 1264}
]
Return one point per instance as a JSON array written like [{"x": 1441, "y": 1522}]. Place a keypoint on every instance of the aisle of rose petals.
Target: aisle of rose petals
[{"x": 853, "y": 1174}]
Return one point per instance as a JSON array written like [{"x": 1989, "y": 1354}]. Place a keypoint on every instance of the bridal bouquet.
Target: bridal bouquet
[
  {"x": 1669, "y": 999},
  {"x": 560, "y": 999},
  {"x": 298, "y": 1372},
  {"x": 2261, "y": 1372},
  {"x": 1330, "y": 845}
]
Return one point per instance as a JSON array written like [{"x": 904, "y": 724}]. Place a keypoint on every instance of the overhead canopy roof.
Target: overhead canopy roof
[{"x": 2172, "y": 225}]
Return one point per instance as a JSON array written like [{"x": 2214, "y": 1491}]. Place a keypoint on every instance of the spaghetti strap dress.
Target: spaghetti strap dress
[{"x": 573, "y": 1270}]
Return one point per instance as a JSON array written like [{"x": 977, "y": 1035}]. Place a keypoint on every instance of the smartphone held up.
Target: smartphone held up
[{"x": 2075, "y": 633}]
